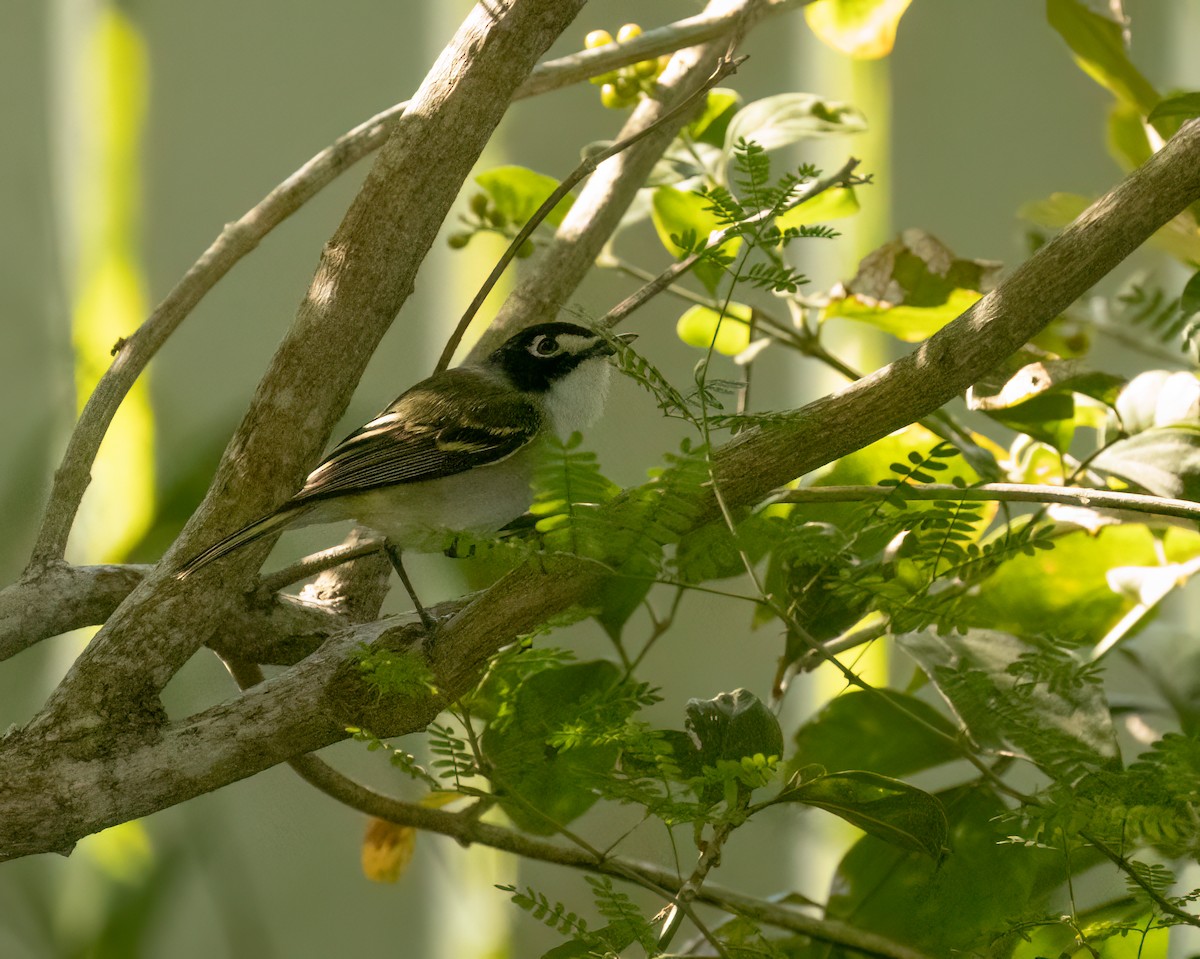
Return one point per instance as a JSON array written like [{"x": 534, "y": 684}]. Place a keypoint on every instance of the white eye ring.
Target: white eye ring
[{"x": 544, "y": 346}]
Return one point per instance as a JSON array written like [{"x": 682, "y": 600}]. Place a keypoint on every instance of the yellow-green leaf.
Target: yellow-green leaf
[
  {"x": 517, "y": 192},
  {"x": 864, "y": 29},
  {"x": 908, "y": 323},
  {"x": 832, "y": 204},
  {"x": 1098, "y": 44},
  {"x": 727, "y": 333}
]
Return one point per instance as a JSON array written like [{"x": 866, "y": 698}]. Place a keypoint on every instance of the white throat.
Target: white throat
[{"x": 576, "y": 401}]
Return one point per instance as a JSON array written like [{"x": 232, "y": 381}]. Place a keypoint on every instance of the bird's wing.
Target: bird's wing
[{"x": 458, "y": 421}]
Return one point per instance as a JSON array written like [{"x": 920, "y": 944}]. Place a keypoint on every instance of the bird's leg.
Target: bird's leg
[{"x": 394, "y": 555}]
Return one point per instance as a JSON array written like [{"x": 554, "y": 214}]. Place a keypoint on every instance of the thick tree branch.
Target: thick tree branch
[{"x": 57, "y": 598}]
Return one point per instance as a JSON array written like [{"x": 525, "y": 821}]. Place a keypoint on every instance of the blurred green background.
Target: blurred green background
[{"x": 978, "y": 110}]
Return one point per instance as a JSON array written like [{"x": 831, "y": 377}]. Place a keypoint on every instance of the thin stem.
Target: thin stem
[
  {"x": 1124, "y": 865},
  {"x": 318, "y": 562}
]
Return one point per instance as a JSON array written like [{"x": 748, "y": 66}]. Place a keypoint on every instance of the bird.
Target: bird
[{"x": 453, "y": 454}]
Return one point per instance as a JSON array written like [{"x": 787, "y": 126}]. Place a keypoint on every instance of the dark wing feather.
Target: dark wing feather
[{"x": 457, "y": 421}]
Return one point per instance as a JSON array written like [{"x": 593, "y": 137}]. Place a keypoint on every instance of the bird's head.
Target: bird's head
[{"x": 565, "y": 365}]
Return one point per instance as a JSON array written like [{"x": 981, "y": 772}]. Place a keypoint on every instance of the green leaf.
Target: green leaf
[
  {"x": 886, "y": 808},
  {"x": 1062, "y": 938},
  {"x": 731, "y": 726},
  {"x": 719, "y": 107},
  {"x": 1163, "y": 461},
  {"x": 863, "y": 29},
  {"x": 910, "y": 324},
  {"x": 785, "y": 118},
  {"x": 953, "y": 907},
  {"x": 1068, "y": 585},
  {"x": 1019, "y": 381},
  {"x": 1098, "y": 44},
  {"x": 1189, "y": 299},
  {"x": 517, "y": 192},
  {"x": 884, "y": 731},
  {"x": 1049, "y": 419},
  {"x": 1038, "y": 398},
  {"x": 1180, "y": 105},
  {"x": 541, "y": 787},
  {"x": 832, "y": 204},
  {"x": 711, "y": 552},
  {"x": 619, "y": 598},
  {"x": 679, "y": 213},
  {"x": 728, "y": 333},
  {"x": 1064, "y": 729},
  {"x": 1126, "y": 136}
]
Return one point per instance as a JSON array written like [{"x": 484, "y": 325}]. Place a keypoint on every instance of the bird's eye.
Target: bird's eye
[{"x": 545, "y": 346}]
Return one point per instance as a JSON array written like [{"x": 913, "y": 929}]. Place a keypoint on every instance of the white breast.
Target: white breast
[{"x": 576, "y": 401}]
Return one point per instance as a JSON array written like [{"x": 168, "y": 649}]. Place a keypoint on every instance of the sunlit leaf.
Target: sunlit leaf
[
  {"x": 1099, "y": 46},
  {"x": 680, "y": 213},
  {"x": 911, "y": 324},
  {"x": 912, "y": 287},
  {"x": 1020, "y": 381},
  {"x": 865, "y": 29},
  {"x": 1164, "y": 461},
  {"x": 1157, "y": 398},
  {"x": 832, "y": 204},
  {"x": 703, "y": 327},
  {"x": 719, "y": 107},
  {"x": 1127, "y": 141},
  {"x": 1061, "y": 939},
  {"x": 517, "y": 192},
  {"x": 1067, "y": 585}
]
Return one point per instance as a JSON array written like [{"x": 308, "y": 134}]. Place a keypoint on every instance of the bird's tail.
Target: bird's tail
[{"x": 247, "y": 534}]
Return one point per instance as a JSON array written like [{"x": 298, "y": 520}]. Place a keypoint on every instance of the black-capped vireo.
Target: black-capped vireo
[{"x": 453, "y": 454}]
